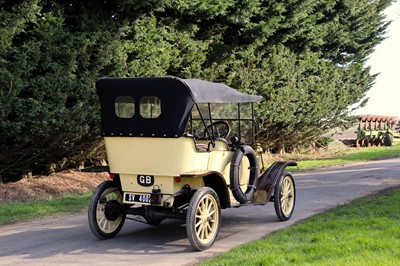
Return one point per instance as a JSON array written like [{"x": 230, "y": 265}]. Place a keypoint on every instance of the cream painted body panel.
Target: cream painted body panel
[
  {"x": 165, "y": 159},
  {"x": 154, "y": 156}
]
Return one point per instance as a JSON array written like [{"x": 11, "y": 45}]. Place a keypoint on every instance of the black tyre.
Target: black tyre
[
  {"x": 203, "y": 218},
  {"x": 234, "y": 174},
  {"x": 285, "y": 196},
  {"x": 388, "y": 140},
  {"x": 105, "y": 220}
]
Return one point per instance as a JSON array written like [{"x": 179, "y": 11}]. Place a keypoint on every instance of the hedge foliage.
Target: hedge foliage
[{"x": 307, "y": 58}]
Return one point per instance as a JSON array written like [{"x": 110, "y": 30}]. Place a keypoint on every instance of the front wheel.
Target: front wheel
[
  {"x": 105, "y": 218},
  {"x": 203, "y": 218},
  {"x": 285, "y": 196}
]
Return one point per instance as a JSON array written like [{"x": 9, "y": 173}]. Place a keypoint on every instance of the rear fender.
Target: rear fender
[{"x": 216, "y": 181}]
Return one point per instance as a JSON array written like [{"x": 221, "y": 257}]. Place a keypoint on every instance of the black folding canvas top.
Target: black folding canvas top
[{"x": 177, "y": 97}]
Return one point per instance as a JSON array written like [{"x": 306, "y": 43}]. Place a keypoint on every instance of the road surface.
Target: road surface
[{"x": 67, "y": 240}]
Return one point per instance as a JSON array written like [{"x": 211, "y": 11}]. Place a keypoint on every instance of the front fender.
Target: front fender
[{"x": 267, "y": 180}]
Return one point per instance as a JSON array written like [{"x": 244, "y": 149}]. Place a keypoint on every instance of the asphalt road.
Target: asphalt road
[{"x": 67, "y": 240}]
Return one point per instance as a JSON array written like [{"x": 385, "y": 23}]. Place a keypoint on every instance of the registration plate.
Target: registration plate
[{"x": 141, "y": 198}]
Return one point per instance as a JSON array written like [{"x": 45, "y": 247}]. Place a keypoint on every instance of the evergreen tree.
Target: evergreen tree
[
  {"x": 307, "y": 58},
  {"x": 48, "y": 105}
]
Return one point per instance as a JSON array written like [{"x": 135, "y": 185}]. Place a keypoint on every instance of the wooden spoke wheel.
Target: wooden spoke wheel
[
  {"x": 203, "y": 218},
  {"x": 285, "y": 196},
  {"x": 104, "y": 219}
]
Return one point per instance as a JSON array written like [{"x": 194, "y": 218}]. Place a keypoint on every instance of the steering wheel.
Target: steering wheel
[{"x": 221, "y": 129}]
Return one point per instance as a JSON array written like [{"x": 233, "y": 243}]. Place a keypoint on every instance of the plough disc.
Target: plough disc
[{"x": 376, "y": 130}]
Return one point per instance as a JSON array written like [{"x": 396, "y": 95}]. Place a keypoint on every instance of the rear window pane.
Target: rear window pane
[
  {"x": 150, "y": 107},
  {"x": 124, "y": 107}
]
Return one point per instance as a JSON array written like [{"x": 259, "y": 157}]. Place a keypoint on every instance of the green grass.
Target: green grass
[
  {"x": 345, "y": 156},
  {"x": 23, "y": 211},
  {"x": 365, "y": 232}
]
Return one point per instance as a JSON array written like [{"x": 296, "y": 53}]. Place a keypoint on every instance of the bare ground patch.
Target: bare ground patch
[{"x": 52, "y": 186}]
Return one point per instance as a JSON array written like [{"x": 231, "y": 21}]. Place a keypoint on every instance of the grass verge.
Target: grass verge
[
  {"x": 340, "y": 156},
  {"x": 364, "y": 232},
  {"x": 23, "y": 211}
]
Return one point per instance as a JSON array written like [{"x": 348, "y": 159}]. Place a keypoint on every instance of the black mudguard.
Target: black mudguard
[{"x": 267, "y": 180}]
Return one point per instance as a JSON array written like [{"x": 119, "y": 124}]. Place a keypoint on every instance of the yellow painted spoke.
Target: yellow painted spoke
[
  {"x": 103, "y": 223},
  {"x": 211, "y": 213},
  {"x": 200, "y": 226},
  {"x": 209, "y": 208},
  {"x": 203, "y": 229},
  {"x": 209, "y": 227},
  {"x": 198, "y": 223},
  {"x": 206, "y": 232},
  {"x": 201, "y": 208},
  {"x": 210, "y": 205}
]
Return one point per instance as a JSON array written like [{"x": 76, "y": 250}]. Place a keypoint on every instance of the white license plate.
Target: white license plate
[{"x": 136, "y": 197}]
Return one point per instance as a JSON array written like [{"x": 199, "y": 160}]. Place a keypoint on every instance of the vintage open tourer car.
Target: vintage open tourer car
[{"x": 181, "y": 149}]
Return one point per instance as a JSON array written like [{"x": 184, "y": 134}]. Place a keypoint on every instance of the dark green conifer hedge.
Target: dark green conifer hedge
[{"x": 307, "y": 58}]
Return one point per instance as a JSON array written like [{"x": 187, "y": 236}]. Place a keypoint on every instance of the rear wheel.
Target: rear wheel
[
  {"x": 285, "y": 196},
  {"x": 203, "y": 218},
  {"x": 105, "y": 218}
]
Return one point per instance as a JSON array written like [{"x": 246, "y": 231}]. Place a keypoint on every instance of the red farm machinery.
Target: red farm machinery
[{"x": 377, "y": 130}]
